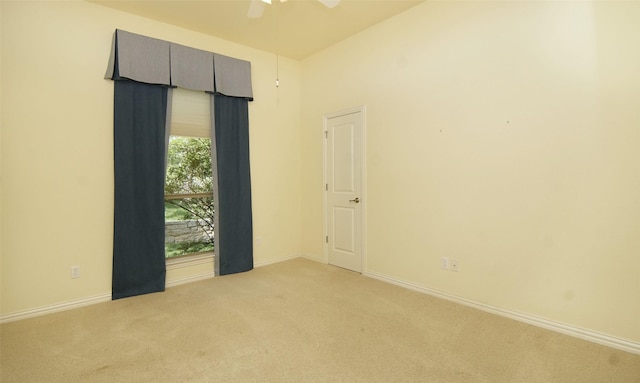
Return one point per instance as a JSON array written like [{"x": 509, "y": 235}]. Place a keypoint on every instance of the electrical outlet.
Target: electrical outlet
[
  {"x": 75, "y": 271},
  {"x": 454, "y": 265},
  {"x": 258, "y": 241},
  {"x": 444, "y": 263}
]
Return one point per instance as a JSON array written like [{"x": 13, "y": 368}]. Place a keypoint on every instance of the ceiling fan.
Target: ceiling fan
[{"x": 256, "y": 8}]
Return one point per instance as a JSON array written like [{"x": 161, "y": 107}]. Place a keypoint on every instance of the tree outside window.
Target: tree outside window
[{"x": 189, "y": 205}]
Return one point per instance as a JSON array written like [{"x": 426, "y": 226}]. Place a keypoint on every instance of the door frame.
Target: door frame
[{"x": 362, "y": 109}]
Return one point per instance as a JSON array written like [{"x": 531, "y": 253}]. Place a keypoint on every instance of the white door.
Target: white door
[{"x": 344, "y": 205}]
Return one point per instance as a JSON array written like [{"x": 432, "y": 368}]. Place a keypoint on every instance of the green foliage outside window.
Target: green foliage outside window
[
  {"x": 189, "y": 166},
  {"x": 189, "y": 171}
]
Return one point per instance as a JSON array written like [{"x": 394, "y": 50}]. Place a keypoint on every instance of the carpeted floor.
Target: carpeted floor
[{"x": 296, "y": 321}]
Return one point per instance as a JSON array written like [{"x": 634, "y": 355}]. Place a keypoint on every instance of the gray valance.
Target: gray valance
[{"x": 148, "y": 60}]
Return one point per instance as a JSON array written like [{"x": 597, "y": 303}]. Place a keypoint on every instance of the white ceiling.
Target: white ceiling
[{"x": 304, "y": 26}]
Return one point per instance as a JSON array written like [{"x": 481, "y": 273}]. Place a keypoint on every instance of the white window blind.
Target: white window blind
[{"x": 190, "y": 113}]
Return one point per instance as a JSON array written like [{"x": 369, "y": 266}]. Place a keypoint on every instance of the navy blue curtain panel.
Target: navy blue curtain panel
[
  {"x": 234, "y": 235},
  {"x": 139, "y": 151}
]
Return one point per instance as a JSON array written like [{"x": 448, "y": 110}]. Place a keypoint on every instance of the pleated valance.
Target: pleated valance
[{"x": 153, "y": 61}]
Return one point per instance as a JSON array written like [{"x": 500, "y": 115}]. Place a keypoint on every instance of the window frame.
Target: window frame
[{"x": 190, "y": 118}]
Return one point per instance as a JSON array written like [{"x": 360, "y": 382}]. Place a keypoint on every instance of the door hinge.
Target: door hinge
[
  {"x": 326, "y": 239},
  {"x": 326, "y": 134},
  {"x": 326, "y": 187}
]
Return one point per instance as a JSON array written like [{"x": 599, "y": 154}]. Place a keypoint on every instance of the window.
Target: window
[{"x": 189, "y": 205}]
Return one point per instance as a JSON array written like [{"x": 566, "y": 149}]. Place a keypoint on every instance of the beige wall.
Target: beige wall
[
  {"x": 1, "y": 156},
  {"x": 502, "y": 134},
  {"x": 57, "y": 149}
]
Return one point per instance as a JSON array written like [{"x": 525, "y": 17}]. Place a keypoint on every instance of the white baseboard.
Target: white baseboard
[
  {"x": 54, "y": 308},
  {"x": 275, "y": 260},
  {"x": 312, "y": 257},
  {"x": 50, "y": 309},
  {"x": 592, "y": 336},
  {"x": 194, "y": 278},
  {"x": 588, "y": 335}
]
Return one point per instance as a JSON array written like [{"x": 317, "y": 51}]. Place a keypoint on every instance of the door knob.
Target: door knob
[{"x": 357, "y": 200}]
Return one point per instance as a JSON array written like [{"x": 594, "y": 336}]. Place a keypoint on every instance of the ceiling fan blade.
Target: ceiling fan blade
[
  {"x": 256, "y": 8},
  {"x": 329, "y": 3}
]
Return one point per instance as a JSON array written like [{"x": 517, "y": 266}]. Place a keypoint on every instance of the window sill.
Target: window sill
[{"x": 189, "y": 260}]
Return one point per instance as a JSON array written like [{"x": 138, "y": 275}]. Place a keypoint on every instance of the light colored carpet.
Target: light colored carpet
[{"x": 296, "y": 321}]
